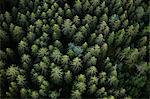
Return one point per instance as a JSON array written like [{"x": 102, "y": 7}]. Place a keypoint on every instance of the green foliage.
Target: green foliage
[
  {"x": 77, "y": 49},
  {"x": 12, "y": 72},
  {"x": 74, "y": 49},
  {"x": 56, "y": 56},
  {"x": 56, "y": 75},
  {"x": 76, "y": 64},
  {"x": 76, "y": 94},
  {"x": 68, "y": 28},
  {"x": 17, "y": 33},
  {"x": 68, "y": 77}
]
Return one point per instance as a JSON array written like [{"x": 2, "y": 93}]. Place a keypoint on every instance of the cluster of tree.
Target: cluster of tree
[{"x": 87, "y": 49}]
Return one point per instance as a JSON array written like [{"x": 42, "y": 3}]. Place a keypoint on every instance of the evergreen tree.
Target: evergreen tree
[
  {"x": 74, "y": 49},
  {"x": 56, "y": 75}
]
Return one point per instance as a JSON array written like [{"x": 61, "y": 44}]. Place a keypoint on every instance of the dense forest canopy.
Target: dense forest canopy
[{"x": 74, "y": 49}]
